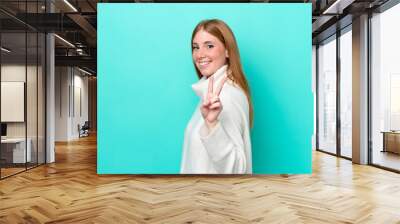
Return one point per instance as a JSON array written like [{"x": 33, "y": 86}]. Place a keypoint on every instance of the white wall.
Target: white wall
[
  {"x": 62, "y": 82},
  {"x": 80, "y": 105},
  {"x": 15, "y": 72},
  {"x": 71, "y": 94},
  {"x": 9, "y": 73}
]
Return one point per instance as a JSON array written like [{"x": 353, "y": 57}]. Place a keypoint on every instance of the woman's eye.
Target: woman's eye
[
  {"x": 195, "y": 47},
  {"x": 210, "y": 46}
]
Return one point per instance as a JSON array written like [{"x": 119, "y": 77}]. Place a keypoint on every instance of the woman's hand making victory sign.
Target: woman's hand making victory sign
[{"x": 211, "y": 106}]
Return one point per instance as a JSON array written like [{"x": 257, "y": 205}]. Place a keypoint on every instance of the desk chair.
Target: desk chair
[{"x": 84, "y": 130}]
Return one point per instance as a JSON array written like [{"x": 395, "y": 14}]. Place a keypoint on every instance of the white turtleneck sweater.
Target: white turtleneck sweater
[{"x": 226, "y": 148}]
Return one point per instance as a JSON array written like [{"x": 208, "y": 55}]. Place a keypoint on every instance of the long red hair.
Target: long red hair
[{"x": 221, "y": 30}]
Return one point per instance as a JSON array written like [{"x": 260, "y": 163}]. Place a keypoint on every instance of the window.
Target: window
[
  {"x": 346, "y": 92},
  {"x": 385, "y": 88},
  {"x": 327, "y": 95}
]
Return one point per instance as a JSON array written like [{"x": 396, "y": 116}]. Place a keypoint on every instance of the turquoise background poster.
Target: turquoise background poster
[{"x": 145, "y": 72}]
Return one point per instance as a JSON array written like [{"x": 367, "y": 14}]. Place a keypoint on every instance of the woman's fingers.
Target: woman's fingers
[
  {"x": 212, "y": 103},
  {"x": 215, "y": 105},
  {"x": 220, "y": 86},
  {"x": 214, "y": 99},
  {"x": 207, "y": 100},
  {"x": 210, "y": 85}
]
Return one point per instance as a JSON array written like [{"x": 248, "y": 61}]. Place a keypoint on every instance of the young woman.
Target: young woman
[{"x": 217, "y": 138}]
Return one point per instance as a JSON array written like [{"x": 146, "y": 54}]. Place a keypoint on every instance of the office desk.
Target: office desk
[
  {"x": 15, "y": 148},
  {"x": 391, "y": 141}
]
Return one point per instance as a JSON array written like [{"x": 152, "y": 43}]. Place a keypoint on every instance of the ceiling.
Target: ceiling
[{"x": 76, "y": 22}]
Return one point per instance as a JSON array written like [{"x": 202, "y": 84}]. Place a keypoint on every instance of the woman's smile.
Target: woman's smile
[
  {"x": 209, "y": 53},
  {"x": 203, "y": 63}
]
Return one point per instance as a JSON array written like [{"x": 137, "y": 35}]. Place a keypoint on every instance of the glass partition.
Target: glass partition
[
  {"x": 327, "y": 95},
  {"x": 385, "y": 89},
  {"x": 22, "y": 77},
  {"x": 14, "y": 153}
]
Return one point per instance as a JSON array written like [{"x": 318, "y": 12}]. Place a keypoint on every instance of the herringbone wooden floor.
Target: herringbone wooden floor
[{"x": 70, "y": 191}]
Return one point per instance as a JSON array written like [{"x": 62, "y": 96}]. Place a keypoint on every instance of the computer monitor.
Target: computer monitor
[{"x": 3, "y": 129}]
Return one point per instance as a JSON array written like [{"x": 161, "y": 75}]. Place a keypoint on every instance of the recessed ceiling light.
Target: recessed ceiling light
[
  {"x": 64, "y": 40},
  {"x": 337, "y": 7},
  {"x": 84, "y": 71},
  {"x": 70, "y": 5},
  {"x": 5, "y": 50}
]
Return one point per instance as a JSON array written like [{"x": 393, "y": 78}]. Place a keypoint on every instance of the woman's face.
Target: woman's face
[{"x": 209, "y": 53}]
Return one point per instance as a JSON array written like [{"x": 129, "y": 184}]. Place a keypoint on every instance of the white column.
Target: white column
[
  {"x": 360, "y": 90},
  {"x": 50, "y": 100},
  {"x": 50, "y": 92}
]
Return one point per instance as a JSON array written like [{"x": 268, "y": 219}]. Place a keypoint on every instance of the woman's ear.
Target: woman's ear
[{"x": 226, "y": 54}]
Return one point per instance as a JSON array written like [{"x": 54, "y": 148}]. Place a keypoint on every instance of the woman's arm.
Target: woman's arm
[{"x": 225, "y": 142}]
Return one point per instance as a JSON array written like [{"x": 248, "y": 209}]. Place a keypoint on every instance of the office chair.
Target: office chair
[{"x": 84, "y": 130}]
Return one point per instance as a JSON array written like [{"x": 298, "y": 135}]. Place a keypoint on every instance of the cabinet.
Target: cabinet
[
  {"x": 13, "y": 150},
  {"x": 391, "y": 141}
]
